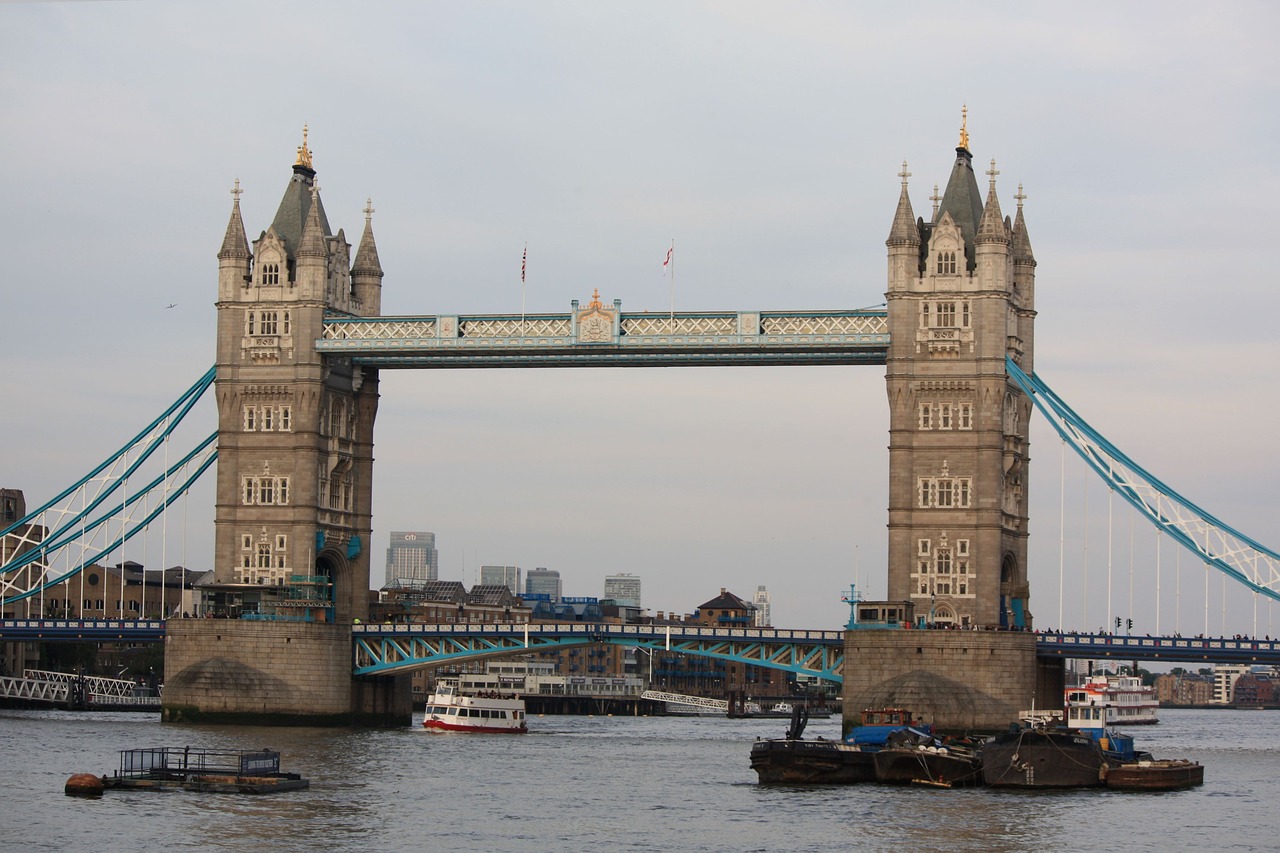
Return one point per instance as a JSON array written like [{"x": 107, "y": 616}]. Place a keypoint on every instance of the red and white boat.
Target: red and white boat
[
  {"x": 1128, "y": 702},
  {"x": 486, "y": 711}
]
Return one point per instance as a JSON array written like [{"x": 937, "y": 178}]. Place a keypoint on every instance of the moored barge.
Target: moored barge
[{"x": 207, "y": 770}]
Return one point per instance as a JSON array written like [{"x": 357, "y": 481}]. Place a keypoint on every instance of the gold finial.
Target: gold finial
[
  {"x": 595, "y": 299},
  {"x": 304, "y": 153},
  {"x": 964, "y": 127}
]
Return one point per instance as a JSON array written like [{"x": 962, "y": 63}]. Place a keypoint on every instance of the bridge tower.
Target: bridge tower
[
  {"x": 961, "y": 298},
  {"x": 293, "y": 512}
]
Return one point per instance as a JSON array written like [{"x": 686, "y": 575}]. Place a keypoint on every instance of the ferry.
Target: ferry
[
  {"x": 485, "y": 711},
  {"x": 1127, "y": 700}
]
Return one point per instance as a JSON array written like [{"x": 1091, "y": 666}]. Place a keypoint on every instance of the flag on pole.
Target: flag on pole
[
  {"x": 524, "y": 260},
  {"x": 666, "y": 263}
]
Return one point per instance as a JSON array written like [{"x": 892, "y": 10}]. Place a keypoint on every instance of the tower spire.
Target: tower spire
[
  {"x": 904, "y": 231},
  {"x": 366, "y": 261},
  {"x": 234, "y": 244},
  {"x": 1020, "y": 241},
  {"x": 991, "y": 227}
]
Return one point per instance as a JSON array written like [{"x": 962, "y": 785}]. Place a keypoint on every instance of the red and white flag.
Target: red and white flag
[{"x": 666, "y": 263}]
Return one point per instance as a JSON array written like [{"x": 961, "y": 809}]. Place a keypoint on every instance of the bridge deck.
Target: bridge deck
[{"x": 781, "y": 648}]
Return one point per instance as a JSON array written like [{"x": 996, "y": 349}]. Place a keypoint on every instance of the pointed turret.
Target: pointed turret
[
  {"x": 311, "y": 242},
  {"x": 1021, "y": 242},
  {"x": 366, "y": 271},
  {"x": 991, "y": 228},
  {"x": 904, "y": 231},
  {"x": 904, "y": 240},
  {"x": 367, "y": 253},
  {"x": 234, "y": 256},
  {"x": 991, "y": 258},
  {"x": 235, "y": 244}
]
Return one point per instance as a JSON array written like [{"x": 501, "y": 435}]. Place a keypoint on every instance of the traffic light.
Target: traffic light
[
  {"x": 1117, "y": 623},
  {"x": 1130, "y": 624}
]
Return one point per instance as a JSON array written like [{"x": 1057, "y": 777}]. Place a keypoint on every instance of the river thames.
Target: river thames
[{"x": 607, "y": 783}]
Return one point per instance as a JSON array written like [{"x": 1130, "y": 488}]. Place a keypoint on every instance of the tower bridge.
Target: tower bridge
[{"x": 301, "y": 341}]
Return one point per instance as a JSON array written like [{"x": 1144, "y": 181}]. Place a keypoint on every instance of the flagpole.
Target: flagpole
[
  {"x": 673, "y": 281},
  {"x": 524, "y": 259}
]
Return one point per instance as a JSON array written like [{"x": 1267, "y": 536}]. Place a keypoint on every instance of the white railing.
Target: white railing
[
  {"x": 682, "y": 699},
  {"x": 37, "y": 690}
]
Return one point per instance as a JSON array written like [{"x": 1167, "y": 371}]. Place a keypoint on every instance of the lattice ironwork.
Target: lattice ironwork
[
  {"x": 838, "y": 324},
  {"x": 381, "y": 330},
  {"x": 648, "y": 326},
  {"x": 514, "y": 327},
  {"x": 382, "y": 649}
]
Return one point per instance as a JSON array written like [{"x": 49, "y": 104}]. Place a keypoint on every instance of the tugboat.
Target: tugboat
[
  {"x": 486, "y": 712},
  {"x": 792, "y": 760},
  {"x": 1036, "y": 754}
]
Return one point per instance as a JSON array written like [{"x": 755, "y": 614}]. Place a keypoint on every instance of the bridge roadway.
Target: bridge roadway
[{"x": 399, "y": 647}]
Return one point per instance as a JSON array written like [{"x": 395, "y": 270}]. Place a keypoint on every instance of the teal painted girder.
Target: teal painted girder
[{"x": 390, "y": 649}]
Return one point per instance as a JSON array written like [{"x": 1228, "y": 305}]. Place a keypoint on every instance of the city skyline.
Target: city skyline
[{"x": 766, "y": 142}]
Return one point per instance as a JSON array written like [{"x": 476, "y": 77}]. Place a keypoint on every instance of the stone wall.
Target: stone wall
[
  {"x": 282, "y": 673},
  {"x": 961, "y": 681}
]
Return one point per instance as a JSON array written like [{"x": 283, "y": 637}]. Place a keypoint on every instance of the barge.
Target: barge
[{"x": 206, "y": 770}]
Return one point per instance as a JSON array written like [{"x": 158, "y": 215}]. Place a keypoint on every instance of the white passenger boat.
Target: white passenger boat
[
  {"x": 1128, "y": 702},
  {"x": 486, "y": 711}
]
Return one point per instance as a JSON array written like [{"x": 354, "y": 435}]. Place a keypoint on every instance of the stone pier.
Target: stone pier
[
  {"x": 961, "y": 681},
  {"x": 273, "y": 673}
]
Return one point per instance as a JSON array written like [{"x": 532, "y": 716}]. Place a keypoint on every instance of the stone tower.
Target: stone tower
[
  {"x": 295, "y": 465},
  {"x": 295, "y": 429},
  {"x": 961, "y": 298}
]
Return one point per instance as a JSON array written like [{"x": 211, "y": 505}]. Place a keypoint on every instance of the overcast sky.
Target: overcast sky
[{"x": 765, "y": 139}]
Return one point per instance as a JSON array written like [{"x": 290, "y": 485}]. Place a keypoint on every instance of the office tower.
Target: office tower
[
  {"x": 761, "y": 600},
  {"x": 412, "y": 557},
  {"x": 508, "y": 576},
  {"x": 622, "y": 587},
  {"x": 542, "y": 581}
]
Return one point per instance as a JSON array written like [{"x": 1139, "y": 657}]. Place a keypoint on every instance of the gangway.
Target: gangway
[
  {"x": 96, "y": 686},
  {"x": 721, "y": 705},
  {"x": 33, "y": 690}
]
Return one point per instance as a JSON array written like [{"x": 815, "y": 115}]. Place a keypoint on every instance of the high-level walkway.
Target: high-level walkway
[
  {"x": 607, "y": 337},
  {"x": 380, "y": 649}
]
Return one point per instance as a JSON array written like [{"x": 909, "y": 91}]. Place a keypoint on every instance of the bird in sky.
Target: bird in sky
[{"x": 171, "y": 305}]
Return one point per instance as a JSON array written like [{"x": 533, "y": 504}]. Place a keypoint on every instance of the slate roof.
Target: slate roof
[{"x": 294, "y": 208}]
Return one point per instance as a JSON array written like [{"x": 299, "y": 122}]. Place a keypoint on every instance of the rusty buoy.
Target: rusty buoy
[{"x": 84, "y": 785}]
